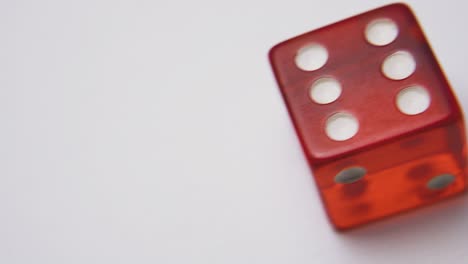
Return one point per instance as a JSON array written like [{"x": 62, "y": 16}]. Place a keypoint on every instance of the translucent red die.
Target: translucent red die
[{"x": 376, "y": 117}]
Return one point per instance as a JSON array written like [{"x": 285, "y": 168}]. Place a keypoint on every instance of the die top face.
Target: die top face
[{"x": 351, "y": 96}]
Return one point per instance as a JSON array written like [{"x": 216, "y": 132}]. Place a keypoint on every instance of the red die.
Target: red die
[{"x": 376, "y": 117}]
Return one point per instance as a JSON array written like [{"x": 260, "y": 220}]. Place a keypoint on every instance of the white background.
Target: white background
[{"x": 153, "y": 132}]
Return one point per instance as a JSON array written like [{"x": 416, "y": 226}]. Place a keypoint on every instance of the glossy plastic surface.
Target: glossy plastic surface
[{"x": 400, "y": 152}]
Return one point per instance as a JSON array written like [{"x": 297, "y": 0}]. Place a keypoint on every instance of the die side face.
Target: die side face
[
  {"x": 398, "y": 154},
  {"x": 366, "y": 93},
  {"x": 396, "y": 177}
]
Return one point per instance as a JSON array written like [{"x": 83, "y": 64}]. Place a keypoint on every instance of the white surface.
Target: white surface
[{"x": 154, "y": 132}]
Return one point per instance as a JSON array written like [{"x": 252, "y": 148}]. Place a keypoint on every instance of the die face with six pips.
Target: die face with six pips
[{"x": 376, "y": 117}]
